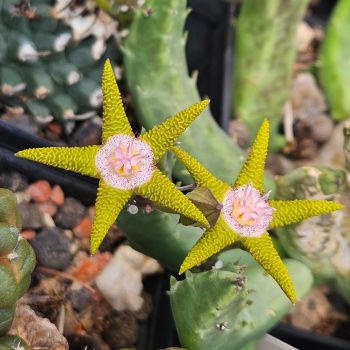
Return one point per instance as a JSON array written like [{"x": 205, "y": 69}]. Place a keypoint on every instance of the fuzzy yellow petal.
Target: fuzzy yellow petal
[
  {"x": 160, "y": 190},
  {"x": 201, "y": 176},
  {"x": 163, "y": 136},
  {"x": 114, "y": 117},
  {"x": 110, "y": 201},
  {"x": 78, "y": 159},
  {"x": 292, "y": 211},
  {"x": 265, "y": 254},
  {"x": 252, "y": 171},
  {"x": 211, "y": 242}
]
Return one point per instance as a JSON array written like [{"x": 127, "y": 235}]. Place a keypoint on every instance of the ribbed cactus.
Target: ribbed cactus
[
  {"x": 17, "y": 261},
  {"x": 157, "y": 75},
  {"x": 49, "y": 56},
  {"x": 334, "y": 67},
  {"x": 265, "y": 49},
  {"x": 322, "y": 243},
  {"x": 231, "y": 306}
]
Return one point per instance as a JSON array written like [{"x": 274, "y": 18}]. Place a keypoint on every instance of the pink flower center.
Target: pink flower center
[
  {"x": 125, "y": 162},
  {"x": 246, "y": 211}
]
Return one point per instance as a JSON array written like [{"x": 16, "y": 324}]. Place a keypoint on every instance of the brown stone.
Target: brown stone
[
  {"x": 48, "y": 207},
  {"x": 57, "y": 195},
  {"x": 39, "y": 191},
  {"x": 28, "y": 234},
  {"x": 83, "y": 229}
]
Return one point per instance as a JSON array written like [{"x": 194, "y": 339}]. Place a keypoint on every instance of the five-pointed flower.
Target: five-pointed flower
[
  {"x": 125, "y": 164},
  {"x": 247, "y": 213}
]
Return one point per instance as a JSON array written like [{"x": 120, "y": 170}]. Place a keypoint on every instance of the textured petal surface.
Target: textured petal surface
[
  {"x": 201, "y": 176},
  {"x": 163, "y": 136},
  {"x": 290, "y": 212},
  {"x": 110, "y": 201},
  {"x": 211, "y": 242},
  {"x": 78, "y": 159},
  {"x": 252, "y": 171},
  {"x": 265, "y": 254},
  {"x": 114, "y": 117},
  {"x": 160, "y": 190}
]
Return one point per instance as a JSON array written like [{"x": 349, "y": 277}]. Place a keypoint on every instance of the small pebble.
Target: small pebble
[
  {"x": 48, "y": 207},
  {"x": 31, "y": 216},
  {"x": 28, "y": 234},
  {"x": 79, "y": 298},
  {"x": 48, "y": 220},
  {"x": 70, "y": 213},
  {"x": 51, "y": 247},
  {"x": 57, "y": 195},
  {"x": 88, "y": 133},
  {"x": 83, "y": 229},
  {"x": 39, "y": 191},
  {"x": 14, "y": 181}
]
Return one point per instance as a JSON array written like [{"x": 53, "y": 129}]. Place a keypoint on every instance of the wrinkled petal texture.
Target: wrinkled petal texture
[
  {"x": 78, "y": 159},
  {"x": 212, "y": 241},
  {"x": 163, "y": 136},
  {"x": 293, "y": 211},
  {"x": 160, "y": 190},
  {"x": 201, "y": 176},
  {"x": 114, "y": 117},
  {"x": 110, "y": 201},
  {"x": 252, "y": 172},
  {"x": 265, "y": 254}
]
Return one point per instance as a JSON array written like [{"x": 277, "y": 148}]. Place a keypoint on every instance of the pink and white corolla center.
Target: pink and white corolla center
[
  {"x": 247, "y": 211},
  {"x": 125, "y": 162}
]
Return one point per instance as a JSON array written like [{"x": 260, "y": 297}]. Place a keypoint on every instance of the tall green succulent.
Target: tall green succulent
[
  {"x": 157, "y": 75},
  {"x": 51, "y": 56},
  {"x": 17, "y": 261},
  {"x": 265, "y": 49},
  {"x": 334, "y": 65}
]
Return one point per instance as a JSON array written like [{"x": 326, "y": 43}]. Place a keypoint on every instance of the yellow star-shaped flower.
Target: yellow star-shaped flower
[
  {"x": 247, "y": 213},
  {"x": 125, "y": 164}
]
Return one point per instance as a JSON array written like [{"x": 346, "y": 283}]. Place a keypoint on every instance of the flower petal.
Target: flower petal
[
  {"x": 212, "y": 241},
  {"x": 78, "y": 159},
  {"x": 201, "y": 176},
  {"x": 162, "y": 137},
  {"x": 114, "y": 117},
  {"x": 252, "y": 172},
  {"x": 292, "y": 211},
  {"x": 265, "y": 254},
  {"x": 110, "y": 201},
  {"x": 160, "y": 190}
]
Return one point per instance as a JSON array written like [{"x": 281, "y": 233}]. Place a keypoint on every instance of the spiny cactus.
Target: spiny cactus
[
  {"x": 51, "y": 57},
  {"x": 17, "y": 261},
  {"x": 157, "y": 76},
  {"x": 334, "y": 67},
  {"x": 265, "y": 48},
  {"x": 231, "y": 306}
]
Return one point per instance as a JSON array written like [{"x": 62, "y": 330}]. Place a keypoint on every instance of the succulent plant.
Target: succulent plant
[
  {"x": 322, "y": 243},
  {"x": 50, "y": 52},
  {"x": 17, "y": 261},
  {"x": 265, "y": 49},
  {"x": 233, "y": 304},
  {"x": 156, "y": 70},
  {"x": 334, "y": 70}
]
